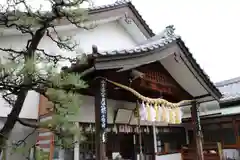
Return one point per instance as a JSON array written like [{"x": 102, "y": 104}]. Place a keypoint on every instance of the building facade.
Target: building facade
[{"x": 125, "y": 44}]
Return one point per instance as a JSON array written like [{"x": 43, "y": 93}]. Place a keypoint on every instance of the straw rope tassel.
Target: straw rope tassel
[
  {"x": 160, "y": 112},
  {"x": 171, "y": 118},
  {"x": 174, "y": 115},
  {"x": 178, "y": 115},
  {"x": 167, "y": 115},
  {"x": 164, "y": 119},
  {"x": 157, "y": 111},
  {"x": 148, "y": 112},
  {"x": 142, "y": 112},
  {"x": 153, "y": 113}
]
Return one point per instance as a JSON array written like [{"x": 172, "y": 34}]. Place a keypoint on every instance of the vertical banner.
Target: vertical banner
[
  {"x": 103, "y": 109},
  {"x": 100, "y": 119}
]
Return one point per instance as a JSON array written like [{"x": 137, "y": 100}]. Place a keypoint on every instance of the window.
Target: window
[
  {"x": 87, "y": 148},
  {"x": 172, "y": 137},
  {"x": 228, "y": 135},
  {"x": 212, "y": 133},
  {"x": 219, "y": 133}
]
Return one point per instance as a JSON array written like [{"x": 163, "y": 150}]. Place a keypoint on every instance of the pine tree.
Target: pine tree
[{"x": 32, "y": 68}]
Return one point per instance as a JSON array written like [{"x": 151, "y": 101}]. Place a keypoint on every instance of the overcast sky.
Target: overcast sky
[{"x": 210, "y": 28}]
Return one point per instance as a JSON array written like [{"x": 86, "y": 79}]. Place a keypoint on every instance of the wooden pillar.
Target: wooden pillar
[
  {"x": 76, "y": 145},
  {"x": 197, "y": 130},
  {"x": 101, "y": 119}
]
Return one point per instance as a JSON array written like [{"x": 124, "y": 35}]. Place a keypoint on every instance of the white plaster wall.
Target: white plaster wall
[
  {"x": 87, "y": 113},
  {"x": 176, "y": 156},
  {"x": 19, "y": 133},
  {"x": 110, "y": 36},
  {"x": 228, "y": 153},
  {"x": 30, "y": 106},
  {"x": 231, "y": 153}
]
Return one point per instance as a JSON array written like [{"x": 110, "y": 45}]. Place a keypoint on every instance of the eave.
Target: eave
[
  {"x": 98, "y": 14},
  {"x": 127, "y": 5},
  {"x": 121, "y": 59}
]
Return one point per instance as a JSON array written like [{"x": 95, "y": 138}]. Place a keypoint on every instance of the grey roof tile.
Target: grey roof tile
[
  {"x": 230, "y": 89},
  {"x": 167, "y": 37},
  {"x": 119, "y": 4}
]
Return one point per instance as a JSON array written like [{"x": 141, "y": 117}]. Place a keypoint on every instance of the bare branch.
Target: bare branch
[
  {"x": 8, "y": 97},
  {"x": 55, "y": 58},
  {"x": 27, "y": 123},
  {"x": 23, "y": 141},
  {"x": 61, "y": 43}
]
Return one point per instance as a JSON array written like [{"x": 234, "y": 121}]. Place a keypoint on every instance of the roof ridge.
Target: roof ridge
[
  {"x": 119, "y": 4},
  {"x": 116, "y": 3},
  {"x": 228, "y": 82}
]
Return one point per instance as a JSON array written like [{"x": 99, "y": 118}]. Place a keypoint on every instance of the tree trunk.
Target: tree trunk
[
  {"x": 14, "y": 114},
  {"x": 12, "y": 119}
]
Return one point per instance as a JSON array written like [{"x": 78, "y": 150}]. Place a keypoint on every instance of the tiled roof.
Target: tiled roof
[
  {"x": 149, "y": 45},
  {"x": 120, "y": 4},
  {"x": 167, "y": 37},
  {"x": 230, "y": 89},
  {"x": 154, "y": 43}
]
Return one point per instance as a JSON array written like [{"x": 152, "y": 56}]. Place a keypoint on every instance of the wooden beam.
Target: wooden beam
[
  {"x": 197, "y": 131},
  {"x": 101, "y": 119}
]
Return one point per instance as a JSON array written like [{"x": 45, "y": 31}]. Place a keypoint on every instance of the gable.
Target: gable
[
  {"x": 127, "y": 10},
  {"x": 156, "y": 78},
  {"x": 172, "y": 53},
  {"x": 108, "y": 36}
]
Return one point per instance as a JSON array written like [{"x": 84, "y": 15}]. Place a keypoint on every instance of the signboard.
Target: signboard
[
  {"x": 158, "y": 82},
  {"x": 103, "y": 109}
]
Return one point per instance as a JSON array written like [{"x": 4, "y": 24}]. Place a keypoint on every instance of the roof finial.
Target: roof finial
[
  {"x": 95, "y": 50},
  {"x": 127, "y": 19},
  {"x": 169, "y": 31}
]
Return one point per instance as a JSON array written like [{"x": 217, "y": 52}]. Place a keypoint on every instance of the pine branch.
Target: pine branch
[{"x": 23, "y": 75}]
